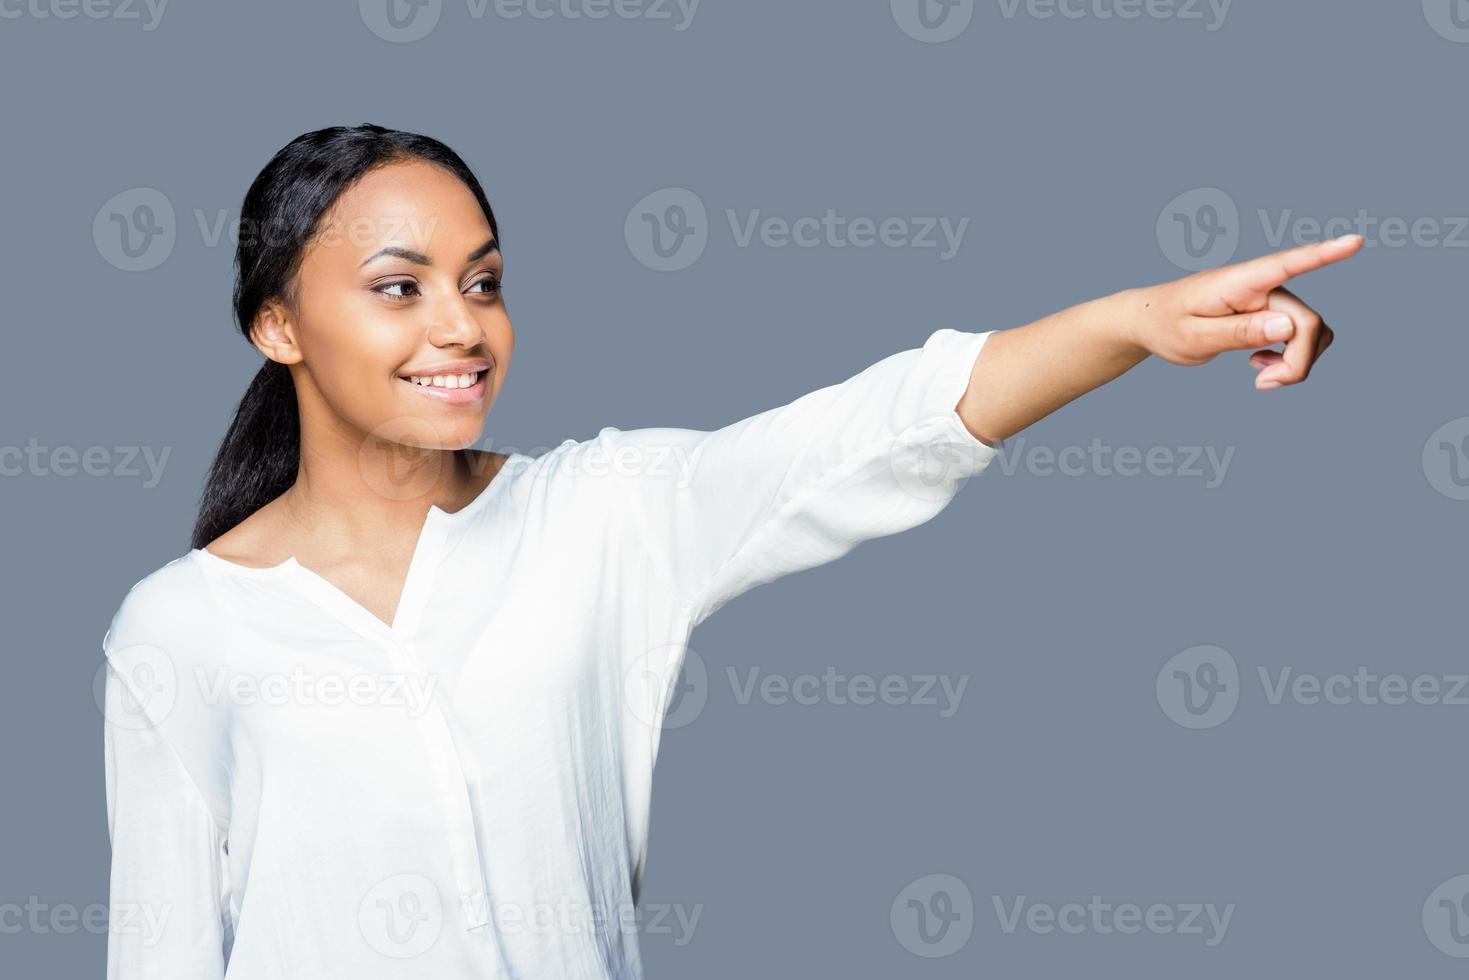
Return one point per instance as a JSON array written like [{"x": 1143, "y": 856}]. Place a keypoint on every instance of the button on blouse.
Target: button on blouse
[{"x": 296, "y": 788}]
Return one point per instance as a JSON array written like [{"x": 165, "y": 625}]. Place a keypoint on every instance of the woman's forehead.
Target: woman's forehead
[{"x": 415, "y": 206}]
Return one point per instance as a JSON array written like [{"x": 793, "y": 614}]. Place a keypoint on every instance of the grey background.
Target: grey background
[{"x": 795, "y": 827}]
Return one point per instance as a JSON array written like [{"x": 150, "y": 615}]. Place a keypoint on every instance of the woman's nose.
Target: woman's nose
[{"x": 453, "y": 324}]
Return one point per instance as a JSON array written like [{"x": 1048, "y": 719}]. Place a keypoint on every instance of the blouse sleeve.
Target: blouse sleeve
[
  {"x": 167, "y": 916},
  {"x": 723, "y": 511}
]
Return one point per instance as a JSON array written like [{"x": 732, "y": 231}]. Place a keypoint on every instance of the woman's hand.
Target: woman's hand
[
  {"x": 1026, "y": 373},
  {"x": 1190, "y": 320}
]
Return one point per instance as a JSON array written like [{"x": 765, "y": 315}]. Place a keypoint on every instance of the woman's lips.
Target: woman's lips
[{"x": 453, "y": 396}]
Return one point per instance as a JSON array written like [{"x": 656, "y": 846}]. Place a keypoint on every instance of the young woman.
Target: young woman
[{"x": 395, "y": 712}]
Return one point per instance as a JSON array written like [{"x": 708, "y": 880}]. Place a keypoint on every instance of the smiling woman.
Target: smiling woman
[{"x": 351, "y": 539}]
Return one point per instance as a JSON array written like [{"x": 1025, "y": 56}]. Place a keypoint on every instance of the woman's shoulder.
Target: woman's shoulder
[{"x": 160, "y": 607}]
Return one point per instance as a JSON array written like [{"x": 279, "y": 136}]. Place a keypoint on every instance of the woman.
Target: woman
[{"x": 396, "y": 711}]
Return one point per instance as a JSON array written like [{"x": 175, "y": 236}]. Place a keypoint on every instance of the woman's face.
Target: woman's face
[{"x": 400, "y": 331}]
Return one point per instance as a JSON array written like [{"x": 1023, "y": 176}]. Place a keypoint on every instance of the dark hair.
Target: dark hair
[{"x": 261, "y": 453}]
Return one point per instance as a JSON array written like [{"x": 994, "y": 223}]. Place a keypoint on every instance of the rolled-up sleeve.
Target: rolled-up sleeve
[
  {"x": 723, "y": 511},
  {"x": 167, "y": 908}
]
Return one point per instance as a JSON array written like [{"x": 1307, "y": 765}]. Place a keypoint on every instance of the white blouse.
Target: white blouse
[{"x": 297, "y": 789}]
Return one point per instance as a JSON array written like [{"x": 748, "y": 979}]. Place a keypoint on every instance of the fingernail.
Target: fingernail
[
  {"x": 1268, "y": 385},
  {"x": 1277, "y": 327}
]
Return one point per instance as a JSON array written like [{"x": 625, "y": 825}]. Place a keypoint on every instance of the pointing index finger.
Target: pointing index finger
[{"x": 1269, "y": 271}]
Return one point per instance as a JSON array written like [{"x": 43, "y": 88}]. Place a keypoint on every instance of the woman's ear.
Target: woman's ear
[{"x": 274, "y": 333}]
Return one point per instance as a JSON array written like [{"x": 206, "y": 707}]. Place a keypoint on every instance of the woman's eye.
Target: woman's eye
[
  {"x": 491, "y": 283},
  {"x": 404, "y": 284}
]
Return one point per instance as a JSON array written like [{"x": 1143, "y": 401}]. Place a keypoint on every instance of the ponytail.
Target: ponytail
[{"x": 259, "y": 457}]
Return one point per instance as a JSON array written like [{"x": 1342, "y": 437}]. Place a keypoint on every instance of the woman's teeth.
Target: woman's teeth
[{"x": 445, "y": 380}]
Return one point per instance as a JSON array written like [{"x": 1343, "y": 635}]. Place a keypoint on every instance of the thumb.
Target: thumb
[{"x": 1243, "y": 330}]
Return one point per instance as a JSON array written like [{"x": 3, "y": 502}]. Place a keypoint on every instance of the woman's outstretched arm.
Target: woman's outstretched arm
[{"x": 1026, "y": 373}]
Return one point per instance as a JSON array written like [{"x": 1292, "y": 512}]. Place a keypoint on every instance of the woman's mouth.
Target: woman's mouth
[{"x": 455, "y": 389}]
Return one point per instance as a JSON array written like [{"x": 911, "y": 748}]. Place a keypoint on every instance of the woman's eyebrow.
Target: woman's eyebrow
[
  {"x": 421, "y": 259},
  {"x": 483, "y": 250}
]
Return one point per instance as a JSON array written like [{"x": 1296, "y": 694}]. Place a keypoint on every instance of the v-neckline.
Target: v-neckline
[{"x": 415, "y": 589}]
